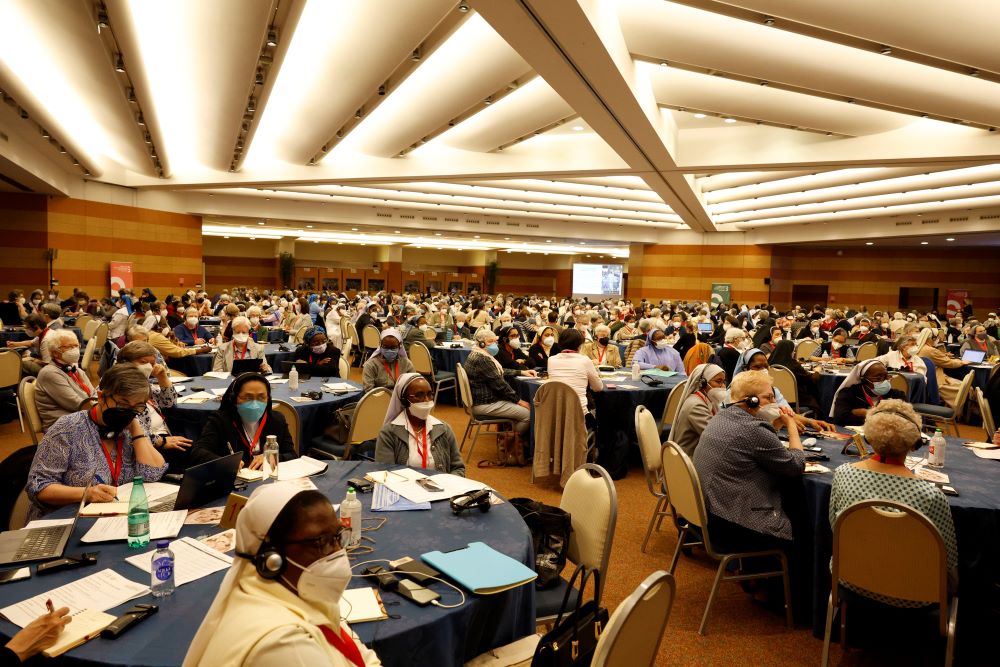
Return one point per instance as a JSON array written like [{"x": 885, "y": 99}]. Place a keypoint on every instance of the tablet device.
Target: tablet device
[
  {"x": 975, "y": 356},
  {"x": 241, "y": 366},
  {"x": 705, "y": 327}
]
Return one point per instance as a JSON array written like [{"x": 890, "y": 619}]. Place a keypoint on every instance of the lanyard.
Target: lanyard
[
  {"x": 79, "y": 382},
  {"x": 116, "y": 468},
  {"x": 243, "y": 354},
  {"x": 600, "y": 355},
  {"x": 423, "y": 452},
  {"x": 344, "y": 644},
  {"x": 705, "y": 399},
  {"x": 871, "y": 400},
  {"x": 388, "y": 372},
  {"x": 252, "y": 444},
  {"x": 981, "y": 346}
]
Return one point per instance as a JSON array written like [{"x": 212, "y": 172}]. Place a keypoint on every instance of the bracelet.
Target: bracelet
[{"x": 140, "y": 437}]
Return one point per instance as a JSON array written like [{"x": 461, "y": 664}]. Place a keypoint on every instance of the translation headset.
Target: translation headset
[
  {"x": 920, "y": 437},
  {"x": 473, "y": 500},
  {"x": 269, "y": 563},
  {"x": 750, "y": 401}
]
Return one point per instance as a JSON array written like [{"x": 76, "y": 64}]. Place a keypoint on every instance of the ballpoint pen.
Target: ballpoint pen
[{"x": 101, "y": 481}]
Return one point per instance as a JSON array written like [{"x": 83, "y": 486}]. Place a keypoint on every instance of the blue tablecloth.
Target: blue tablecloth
[
  {"x": 615, "y": 416},
  {"x": 982, "y": 372},
  {"x": 15, "y": 334},
  {"x": 199, "y": 364},
  {"x": 976, "y": 513},
  {"x": 828, "y": 383},
  {"x": 314, "y": 416},
  {"x": 422, "y": 636},
  {"x": 447, "y": 358}
]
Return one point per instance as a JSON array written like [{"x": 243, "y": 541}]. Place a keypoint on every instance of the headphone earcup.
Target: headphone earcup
[
  {"x": 752, "y": 401},
  {"x": 269, "y": 563}
]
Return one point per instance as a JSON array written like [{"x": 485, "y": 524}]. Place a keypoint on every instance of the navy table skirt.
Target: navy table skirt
[
  {"x": 199, "y": 364},
  {"x": 16, "y": 334},
  {"x": 982, "y": 372},
  {"x": 828, "y": 383},
  {"x": 420, "y": 636},
  {"x": 447, "y": 358}
]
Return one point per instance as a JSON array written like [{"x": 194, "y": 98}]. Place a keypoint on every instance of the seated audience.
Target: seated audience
[
  {"x": 805, "y": 381},
  {"x": 163, "y": 395},
  {"x": 292, "y": 617},
  {"x": 242, "y": 424},
  {"x": 191, "y": 332},
  {"x": 226, "y": 317},
  {"x": 601, "y": 350},
  {"x": 704, "y": 395},
  {"x": 103, "y": 446},
  {"x": 686, "y": 338},
  {"x": 576, "y": 370},
  {"x": 120, "y": 312},
  {"x": 700, "y": 353},
  {"x": 61, "y": 385},
  {"x": 835, "y": 349},
  {"x": 415, "y": 333},
  {"x": 315, "y": 351},
  {"x": 35, "y": 330},
  {"x": 511, "y": 353},
  {"x": 979, "y": 342},
  {"x": 387, "y": 363},
  {"x": 892, "y": 429},
  {"x": 813, "y": 331},
  {"x": 628, "y": 330},
  {"x": 866, "y": 386},
  {"x": 657, "y": 353},
  {"x": 947, "y": 385},
  {"x": 543, "y": 348},
  {"x": 491, "y": 395},
  {"x": 460, "y": 328},
  {"x": 736, "y": 341},
  {"x": 755, "y": 360},
  {"x": 412, "y": 436},
  {"x": 240, "y": 347},
  {"x": 903, "y": 356}
]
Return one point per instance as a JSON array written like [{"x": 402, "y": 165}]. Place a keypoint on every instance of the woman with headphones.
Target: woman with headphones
[
  {"x": 279, "y": 604},
  {"x": 704, "y": 393},
  {"x": 892, "y": 429}
]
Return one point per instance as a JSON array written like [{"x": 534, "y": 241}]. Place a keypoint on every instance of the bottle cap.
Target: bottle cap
[
  {"x": 138, "y": 480},
  {"x": 162, "y": 544},
  {"x": 351, "y": 492}
]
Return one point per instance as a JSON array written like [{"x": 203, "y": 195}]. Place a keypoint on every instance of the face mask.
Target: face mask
[
  {"x": 318, "y": 349},
  {"x": 663, "y": 343},
  {"x": 192, "y": 321},
  {"x": 769, "y": 412},
  {"x": 71, "y": 356},
  {"x": 863, "y": 329},
  {"x": 981, "y": 336},
  {"x": 421, "y": 410},
  {"x": 117, "y": 419},
  {"x": 493, "y": 348},
  {"x": 717, "y": 395},
  {"x": 241, "y": 337},
  {"x": 882, "y": 388},
  {"x": 912, "y": 351},
  {"x": 390, "y": 354},
  {"x": 147, "y": 369},
  {"x": 423, "y": 327},
  {"x": 548, "y": 341},
  {"x": 815, "y": 331},
  {"x": 323, "y": 582},
  {"x": 514, "y": 343},
  {"x": 835, "y": 345},
  {"x": 603, "y": 341},
  {"x": 251, "y": 411}
]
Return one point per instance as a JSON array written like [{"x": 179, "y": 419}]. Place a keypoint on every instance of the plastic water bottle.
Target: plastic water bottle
[
  {"x": 293, "y": 379},
  {"x": 635, "y": 371},
  {"x": 162, "y": 570},
  {"x": 935, "y": 456},
  {"x": 138, "y": 516},
  {"x": 350, "y": 517},
  {"x": 447, "y": 334},
  {"x": 271, "y": 457}
]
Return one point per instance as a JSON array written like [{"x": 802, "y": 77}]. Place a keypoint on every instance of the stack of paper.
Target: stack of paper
[
  {"x": 219, "y": 375},
  {"x": 385, "y": 500},
  {"x": 193, "y": 560},
  {"x": 196, "y": 397},
  {"x": 161, "y": 525},
  {"x": 304, "y": 466},
  {"x": 99, "y": 591},
  {"x": 658, "y": 372},
  {"x": 451, "y": 486},
  {"x": 338, "y": 387}
]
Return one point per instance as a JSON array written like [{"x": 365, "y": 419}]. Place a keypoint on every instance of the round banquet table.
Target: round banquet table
[
  {"x": 420, "y": 636},
  {"x": 447, "y": 358},
  {"x": 982, "y": 372},
  {"x": 615, "y": 415},
  {"x": 199, "y": 364},
  {"x": 187, "y": 419},
  {"x": 16, "y": 334},
  {"x": 976, "y": 513},
  {"x": 828, "y": 382}
]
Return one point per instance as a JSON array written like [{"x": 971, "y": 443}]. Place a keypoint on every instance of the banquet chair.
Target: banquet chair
[
  {"x": 637, "y": 625},
  {"x": 420, "y": 357},
  {"x": 884, "y": 531},
  {"x": 345, "y": 368},
  {"x": 866, "y": 351},
  {"x": 369, "y": 415},
  {"x": 591, "y": 500},
  {"x": 87, "y": 360},
  {"x": 688, "y": 502},
  {"x": 300, "y": 335},
  {"x": 101, "y": 334},
  {"x": 285, "y": 409},
  {"x": 630, "y": 350},
  {"x": 899, "y": 383},
  {"x": 10, "y": 377},
  {"x": 649, "y": 447},
  {"x": 942, "y": 414},
  {"x": 786, "y": 383},
  {"x": 476, "y": 424},
  {"x": 672, "y": 407},
  {"x": 82, "y": 321},
  {"x": 371, "y": 341},
  {"x": 805, "y": 348},
  {"x": 26, "y": 394},
  {"x": 989, "y": 424}
]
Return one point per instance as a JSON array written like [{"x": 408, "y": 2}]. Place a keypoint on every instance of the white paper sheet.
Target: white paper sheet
[
  {"x": 219, "y": 392},
  {"x": 303, "y": 466},
  {"x": 219, "y": 375},
  {"x": 987, "y": 453},
  {"x": 192, "y": 560},
  {"x": 100, "y": 591},
  {"x": 112, "y": 528},
  {"x": 452, "y": 485},
  {"x": 196, "y": 397},
  {"x": 49, "y": 523},
  {"x": 358, "y": 605},
  {"x": 154, "y": 491}
]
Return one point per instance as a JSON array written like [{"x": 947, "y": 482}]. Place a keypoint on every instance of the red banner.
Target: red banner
[
  {"x": 121, "y": 276},
  {"x": 957, "y": 299}
]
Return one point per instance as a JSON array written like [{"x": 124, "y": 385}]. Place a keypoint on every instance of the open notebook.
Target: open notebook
[{"x": 86, "y": 625}]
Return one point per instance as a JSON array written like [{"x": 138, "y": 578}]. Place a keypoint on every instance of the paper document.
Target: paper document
[
  {"x": 386, "y": 500},
  {"x": 814, "y": 468},
  {"x": 301, "y": 399},
  {"x": 196, "y": 397},
  {"x": 338, "y": 386},
  {"x": 451, "y": 485},
  {"x": 278, "y": 381},
  {"x": 49, "y": 523},
  {"x": 193, "y": 560},
  {"x": 219, "y": 375},
  {"x": 99, "y": 591},
  {"x": 658, "y": 372},
  {"x": 987, "y": 453},
  {"x": 86, "y": 625},
  {"x": 175, "y": 380},
  {"x": 401, "y": 475},
  {"x": 154, "y": 491},
  {"x": 359, "y": 605},
  {"x": 161, "y": 525},
  {"x": 219, "y": 392},
  {"x": 980, "y": 445},
  {"x": 304, "y": 466},
  {"x": 250, "y": 475},
  {"x": 930, "y": 475}
]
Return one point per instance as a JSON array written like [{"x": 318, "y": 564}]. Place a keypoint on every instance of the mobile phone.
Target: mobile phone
[
  {"x": 133, "y": 616},
  {"x": 68, "y": 563},
  {"x": 15, "y": 574},
  {"x": 387, "y": 581},
  {"x": 414, "y": 592},
  {"x": 814, "y": 448},
  {"x": 415, "y": 570},
  {"x": 428, "y": 485}
]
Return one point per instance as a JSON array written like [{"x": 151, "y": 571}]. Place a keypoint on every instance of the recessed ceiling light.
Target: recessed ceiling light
[
  {"x": 354, "y": 229},
  {"x": 729, "y": 120},
  {"x": 548, "y": 240},
  {"x": 476, "y": 236},
  {"x": 309, "y": 226},
  {"x": 260, "y": 222},
  {"x": 225, "y": 237},
  {"x": 578, "y": 128},
  {"x": 506, "y": 238},
  {"x": 437, "y": 233},
  {"x": 949, "y": 239},
  {"x": 870, "y": 243},
  {"x": 699, "y": 115},
  {"x": 340, "y": 243},
  {"x": 315, "y": 241},
  {"x": 923, "y": 243}
]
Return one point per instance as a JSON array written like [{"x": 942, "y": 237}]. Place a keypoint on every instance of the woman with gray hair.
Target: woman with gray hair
[
  {"x": 904, "y": 356},
  {"x": 61, "y": 385},
  {"x": 104, "y": 447},
  {"x": 892, "y": 429},
  {"x": 492, "y": 396},
  {"x": 240, "y": 347}
]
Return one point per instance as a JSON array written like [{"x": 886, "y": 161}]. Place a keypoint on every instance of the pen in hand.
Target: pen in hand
[{"x": 101, "y": 481}]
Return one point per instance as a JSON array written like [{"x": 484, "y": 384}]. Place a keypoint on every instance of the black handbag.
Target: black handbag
[
  {"x": 574, "y": 638},
  {"x": 550, "y": 528}
]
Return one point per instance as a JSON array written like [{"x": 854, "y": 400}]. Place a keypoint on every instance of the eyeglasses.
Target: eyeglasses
[
  {"x": 243, "y": 398},
  {"x": 325, "y": 543},
  {"x": 420, "y": 397},
  {"x": 767, "y": 397},
  {"x": 121, "y": 404}
]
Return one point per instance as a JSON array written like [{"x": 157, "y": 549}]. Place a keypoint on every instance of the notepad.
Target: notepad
[
  {"x": 481, "y": 568},
  {"x": 361, "y": 605},
  {"x": 161, "y": 526},
  {"x": 304, "y": 466},
  {"x": 218, "y": 375},
  {"x": 250, "y": 475},
  {"x": 386, "y": 500},
  {"x": 451, "y": 485},
  {"x": 99, "y": 591},
  {"x": 86, "y": 625}
]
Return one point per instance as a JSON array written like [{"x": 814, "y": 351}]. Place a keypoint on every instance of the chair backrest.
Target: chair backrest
[
  {"x": 430, "y": 334},
  {"x": 26, "y": 393},
  {"x": 786, "y": 383},
  {"x": 989, "y": 424},
  {"x": 592, "y": 502},
  {"x": 420, "y": 357},
  {"x": 88, "y": 356},
  {"x": 10, "y": 368},
  {"x": 90, "y": 328},
  {"x": 19, "y": 513},
  {"x": 300, "y": 335},
  {"x": 345, "y": 367},
  {"x": 14, "y": 502},
  {"x": 630, "y": 350},
  {"x": 82, "y": 321},
  {"x": 964, "y": 390},
  {"x": 867, "y": 351},
  {"x": 101, "y": 334},
  {"x": 286, "y": 410},
  {"x": 371, "y": 337},
  {"x": 884, "y": 531},
  {"x": 130, "y": 322},
  {"x": 684, "y": 486},
  {"x": 352, "y": 331},
  {"x": 369, "y": 415},
  {"x": 899, "y": 383},
  {"x": 649, "y": 446},
  {"x": 636, "y": 628},
  {"x": 673, "y": 404},
  {"x": 805, "y": 348},
  {"x": 464, "y": 390}
]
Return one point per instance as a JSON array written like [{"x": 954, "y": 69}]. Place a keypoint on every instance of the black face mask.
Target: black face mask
[
  {"x": 603, "y": 340},
  {"x": 118, "y": 419}
]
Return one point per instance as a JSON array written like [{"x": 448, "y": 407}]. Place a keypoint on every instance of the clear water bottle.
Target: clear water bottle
[
  {"x": 635, "y": 371},
  {"x": 138, "y": 516},
  {"x": 162, "y": 570},
  {"x": 293, "y": 379},
  {"x": 447, "y": 334},
  {"x": 935, "y": 456},
  {"x": 271, "y": 457},
  {"x": 350, "y": 517}
]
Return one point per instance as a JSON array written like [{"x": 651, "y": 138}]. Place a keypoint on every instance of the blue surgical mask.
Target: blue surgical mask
[
  {"x": 493, "y": 348},
  {"x": 882, "y": 388},
  {"x": 251, "y": 411},
  {"x": 390, "y": 354}
]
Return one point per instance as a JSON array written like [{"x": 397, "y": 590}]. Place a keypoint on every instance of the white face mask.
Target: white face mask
[
  {"x": 423, "y": 327},
  {"x": 421, "y": 410},
  {"x": 769, "y": 412},
  {"x": 147, "y": 369},
  {"x": 254, "y": 321},
  {"x": 912, "y": 351},
  {"x": 663, "y": 343},
  {"x": 192, "y": 321},
  {"x": 241, "y": 337},
  {"x": 70, "y": 356},
  {"x": 835, "y": 345},
  {"x": 548, "y": 341},
  {"x": 323, "y": 582},
  {"x": 717, "y": 395},
  {"x": 318, "y": 349},
  {"x": 515, "y": 343}
]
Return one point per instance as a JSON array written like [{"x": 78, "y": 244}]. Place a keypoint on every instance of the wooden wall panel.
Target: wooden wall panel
[
  {"x": 526, "y": 281},
  {"x": 223, "y": 273},
  {"x": 24, "y": 230},
  {"x": 688, "y": 271}
]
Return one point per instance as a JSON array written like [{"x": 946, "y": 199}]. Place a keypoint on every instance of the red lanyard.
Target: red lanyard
[
  {"x": 243, "y": 354},
  {"x": 116, "y": 468},
  {"x": 423, "y": 452},
  {"x": 388, "y": 372},
  {"x": 250, "y": 445},
  {"x": 79, "y": 382},
  {"x": 871, "y": 400},
  {"x": 344, "y": 643},
  {"x": 600, "y": 355},
  {"x": 835, "y": 353},
  {"x": 981, "y": 346},
  {"x": 909, "y": 365}
]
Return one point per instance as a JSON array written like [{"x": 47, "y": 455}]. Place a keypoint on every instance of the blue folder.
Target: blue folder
[{"x": 480, "y": 568}]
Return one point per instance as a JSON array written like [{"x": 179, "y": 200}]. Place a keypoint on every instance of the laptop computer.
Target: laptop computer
[
  {"x": 202, "y": 484},
  {"x": 34, "y": 544},
  {"x": 975, "y": 356},
  {"x": 705, "y": 327},
  {"x": 241, "y": 366}
]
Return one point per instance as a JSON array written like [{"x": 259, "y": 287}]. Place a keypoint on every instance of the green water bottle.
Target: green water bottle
[{"x": 138, "y": 516}]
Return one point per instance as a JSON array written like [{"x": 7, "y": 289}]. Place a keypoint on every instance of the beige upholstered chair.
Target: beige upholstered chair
[
  {"x": 286, "y": 410},
  {"x": 649, "y": 447},
  {"x": 369, "y": 416},
  {"x": 899, "y": 383},
  {"x": 867, "y": 350},
  {"x": 673, "y": 405},
  {"x": 26, "y": 394},
  {"x": 422, "y": 362},
  {"x": 10, "y": 377},
  {"x": 945, "y": 416},
  {"x": 637, "y": 625},
  {"x": 372, "y": 341},
  {"x": 989, "y": 424},
  {"x": 786, "y": 383},
  {"x": 89, "y": 329},
  {"x": 806, "y": 348},
  {"x": 345, "y": 368},
  {"x": 476, "y": 424},
  {"x": 87, "y": 360}
]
